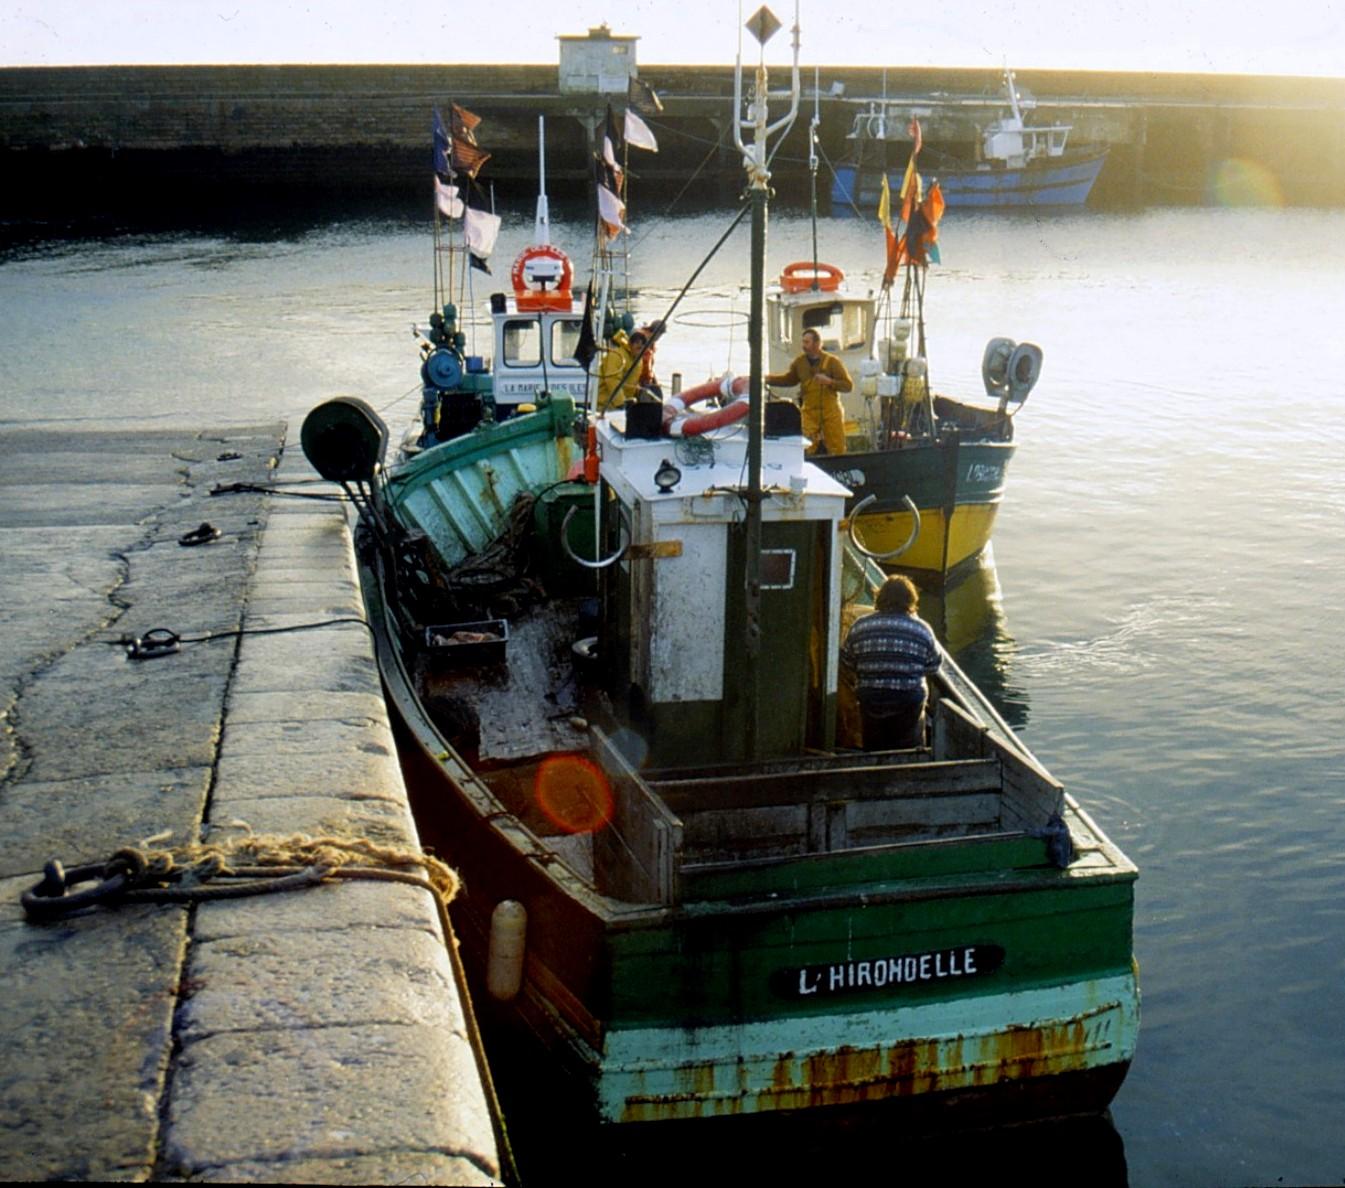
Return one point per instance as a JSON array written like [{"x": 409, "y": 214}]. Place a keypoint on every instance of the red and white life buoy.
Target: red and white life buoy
[
  {"x": 542, "y": 277},
  {"x": 731, "y": 388},
  {"x": 799, "y": 277},
  {"x": 690, "y": 396},
  {"x": 698, "y": 423}
]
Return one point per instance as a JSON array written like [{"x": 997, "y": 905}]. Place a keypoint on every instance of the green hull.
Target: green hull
[
  {"x": 464, "y": 506},
  {"x": 816, "y": 931},
  {"x": 940, "y": 967}
]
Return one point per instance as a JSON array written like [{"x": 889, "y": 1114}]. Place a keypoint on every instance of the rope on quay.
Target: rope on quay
[
  {"x": 255, "y": 864},
  {"x": 270, "y": 489},
  {"x": 163, "y": 641},
  {"x": 262, "y": 864}
]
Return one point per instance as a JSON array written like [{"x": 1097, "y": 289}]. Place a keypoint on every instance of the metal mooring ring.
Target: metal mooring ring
[
  {"x": 50, "y": 898},
  {"x": 197, "y": 536}
]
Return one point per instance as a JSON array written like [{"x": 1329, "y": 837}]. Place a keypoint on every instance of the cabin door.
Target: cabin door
[{"x": 790, "y": 676}]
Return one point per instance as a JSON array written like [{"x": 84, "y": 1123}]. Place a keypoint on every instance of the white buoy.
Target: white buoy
[{"x": 508, "y": 941}]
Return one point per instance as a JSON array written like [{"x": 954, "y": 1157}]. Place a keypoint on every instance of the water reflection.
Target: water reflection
[
  {"x": 967, "y": 615},
  {"x": 870, "y": 1146},
  {"x": 789, "y": 1151}
]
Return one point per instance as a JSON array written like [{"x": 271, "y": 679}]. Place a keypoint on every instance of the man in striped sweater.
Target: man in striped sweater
[{"x": 887, "y": 655}]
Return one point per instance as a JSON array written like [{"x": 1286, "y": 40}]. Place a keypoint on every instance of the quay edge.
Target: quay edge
[{"x": 294, "y": 1037}]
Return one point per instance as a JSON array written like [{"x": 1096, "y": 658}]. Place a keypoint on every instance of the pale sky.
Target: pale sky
[{"x": 1223, "y": 36}]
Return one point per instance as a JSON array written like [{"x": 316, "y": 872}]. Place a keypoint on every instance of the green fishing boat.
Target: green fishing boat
[{"x": 614, "y": 665}]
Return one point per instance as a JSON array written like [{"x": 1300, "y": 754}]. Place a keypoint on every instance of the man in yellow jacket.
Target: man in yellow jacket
[
  {"x": 620, "y": 378},
  {"x": 821, "y": 378}
]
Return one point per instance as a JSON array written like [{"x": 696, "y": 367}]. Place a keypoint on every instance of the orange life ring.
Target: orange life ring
[
  {"x": 799, "y": 277},
  {"x": 694, "y": 426},
  {"x": 560, "y": 271}
]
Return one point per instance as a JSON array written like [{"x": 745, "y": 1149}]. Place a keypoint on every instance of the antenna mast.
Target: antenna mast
[{"x": 763, "y": 25}]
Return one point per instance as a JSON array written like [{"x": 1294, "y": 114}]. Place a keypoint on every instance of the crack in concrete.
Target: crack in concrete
[{"x": 20, "y": 759}]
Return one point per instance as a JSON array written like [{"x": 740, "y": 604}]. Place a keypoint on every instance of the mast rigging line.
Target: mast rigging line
[{"x": 723, "y": 239}]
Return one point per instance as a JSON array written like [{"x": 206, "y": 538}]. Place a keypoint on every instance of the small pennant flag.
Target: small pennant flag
[
  {"x": 638, "y": 133},
  {"x": 611, "y": 149},
  {"x": 480, "y": 229},
  {"x": 440, "y": 144},
  {"x": 464, "y": 123},
  {"x": 467, "y": 158},
  {"x": 586, "y": 349},
  {"x": 611, "y": 210},
  {"x": 447, "y": 199},
  {"x": 641, "y": 96}
]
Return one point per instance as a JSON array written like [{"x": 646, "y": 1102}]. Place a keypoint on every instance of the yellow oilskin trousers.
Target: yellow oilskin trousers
[{"x": 824, "y": 422}]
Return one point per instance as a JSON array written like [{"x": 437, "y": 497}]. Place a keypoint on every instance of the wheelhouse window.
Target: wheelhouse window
[
  {"x": 564, "y": 340},
  {"x": 854, "y": 329},
  {"x": 777, "y": 569},
  {"x": 522, "y": 343},
  {"x": 841, "y": 326}
]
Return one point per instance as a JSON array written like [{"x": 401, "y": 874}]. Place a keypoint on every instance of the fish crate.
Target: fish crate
[{"x": 453, "y": 645}]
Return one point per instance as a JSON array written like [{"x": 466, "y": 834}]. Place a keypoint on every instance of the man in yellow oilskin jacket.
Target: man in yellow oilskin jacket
[
  {"x": 616, "y": 362},
  {"x": 821, "y": 378}
]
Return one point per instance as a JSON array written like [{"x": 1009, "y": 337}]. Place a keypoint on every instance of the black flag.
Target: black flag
[
  {"x": 641, "y": 96},
  {"x": 587, "y": 347}
]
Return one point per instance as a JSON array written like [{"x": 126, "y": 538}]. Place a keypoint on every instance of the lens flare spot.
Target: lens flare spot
[
  {"x": 1238, "y": 181},
  {"x": 631, "y": 745},
  {"x": 574, "y": 794}
]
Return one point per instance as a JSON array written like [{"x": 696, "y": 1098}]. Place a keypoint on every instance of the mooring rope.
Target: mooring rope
[{"x": 255, "y": 864}]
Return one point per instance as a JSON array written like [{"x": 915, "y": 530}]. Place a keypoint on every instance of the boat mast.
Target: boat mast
[
  {"x": 1011, "y": 87},
  {"x": 812, "y": 164},
  {"x": 444, "y": 247},
  {"x": 763, "y": 25},
  {"x": 542, "y": 225}
]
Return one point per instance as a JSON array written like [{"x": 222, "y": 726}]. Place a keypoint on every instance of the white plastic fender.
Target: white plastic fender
[{"x": 508, "y": 943}]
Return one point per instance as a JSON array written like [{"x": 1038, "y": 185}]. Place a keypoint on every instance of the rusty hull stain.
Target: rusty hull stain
[{"x": 850, "y": 1076}]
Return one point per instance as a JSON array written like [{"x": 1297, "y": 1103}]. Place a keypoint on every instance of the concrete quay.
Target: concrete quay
[{"x": 310, "y": 1036}]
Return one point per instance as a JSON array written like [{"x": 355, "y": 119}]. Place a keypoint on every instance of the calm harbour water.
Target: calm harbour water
[{"x": 1162, "y": 621}]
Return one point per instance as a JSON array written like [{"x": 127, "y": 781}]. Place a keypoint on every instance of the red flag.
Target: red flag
[
  {"x": 467, "y": 158},
  {"x": 893, "y": 257},
  {"x": 913, "y": 130},
  {"x": 464, "y": 123}
]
